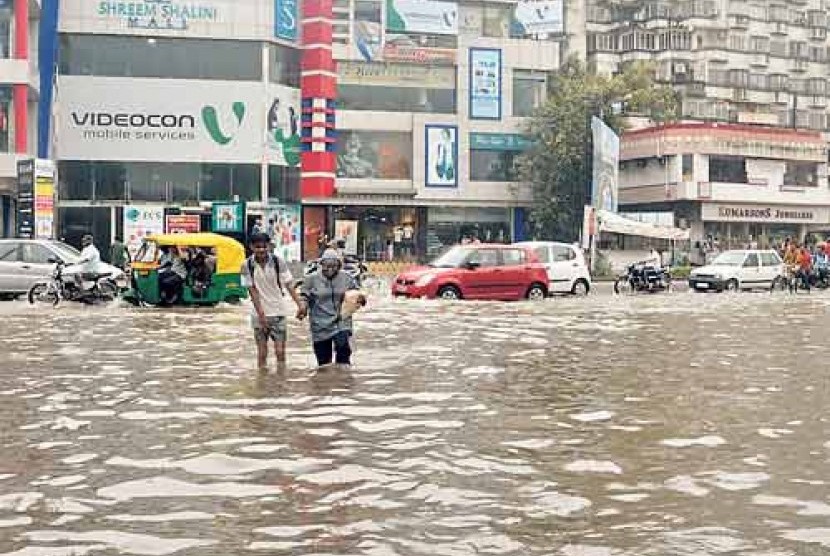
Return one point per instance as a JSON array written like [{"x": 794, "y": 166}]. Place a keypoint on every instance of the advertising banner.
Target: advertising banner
[
  {"x": 228, "y": 218},
  {"x": 395, "y": 75},
  {"x": 442, "y": 156},
  {"x": 538, "y": 17},
  {"x": 44, "y": 199},
  {"x": 347, "y": 230},
  {"x": 171, "y": 120},
  {"x": 485, "y": 84},
  {"x": 183, "y": 224},
  {"x": 367, "y": 39},
  {"x": 26, "y": 199},
  {"x": 422, "y": 16},
  {"x": 286, "y": 230},
  {"x": 374, "y": 154},
  {"x": 140, "y": 222},
  {"x": 286, "y": 19},
  {"x": 606, "y": 166},
  {"x": 502, "y": 142},
  {"x": 409, "y": 54}
]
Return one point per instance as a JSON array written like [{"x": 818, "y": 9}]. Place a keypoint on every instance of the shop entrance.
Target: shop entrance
[{"x": 381, "y": 233}]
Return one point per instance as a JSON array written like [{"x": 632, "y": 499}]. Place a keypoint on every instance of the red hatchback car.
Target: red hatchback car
[{"x": 482, "y": 271}]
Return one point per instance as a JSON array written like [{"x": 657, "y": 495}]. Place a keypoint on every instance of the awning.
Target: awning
[{"x": 611, "y": 222}]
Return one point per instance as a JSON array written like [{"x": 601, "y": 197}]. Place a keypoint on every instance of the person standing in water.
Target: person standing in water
[
  {"x": 267, "y": 278},
  {"x": 323, "y": 294}
]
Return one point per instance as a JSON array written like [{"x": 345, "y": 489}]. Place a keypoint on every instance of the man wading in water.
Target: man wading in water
[{"x": 267, "y": 278}]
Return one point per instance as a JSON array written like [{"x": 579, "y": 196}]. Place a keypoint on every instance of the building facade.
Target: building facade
[
  {"x": 19, "y": 92},
  {"x": 735, "y": 183}
]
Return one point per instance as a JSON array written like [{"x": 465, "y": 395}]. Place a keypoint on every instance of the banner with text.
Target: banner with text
[
  {"x": 485, "y": 84},
  {"x": 140, "y": 222},
  {"x": 422, "y": 16},
  {"x": 538, "y": 17}
]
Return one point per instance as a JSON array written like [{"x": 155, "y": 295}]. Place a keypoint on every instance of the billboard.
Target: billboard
[
  {"x": 228, "y": 218},
  {"x": 422, "y": 16},
  {"x": 535, "y": 17},
  {"x": 374, "y": 154},
  {"x": 286, "y": 19},
  {"x": 26, "y": 199},
  {"x": 183, "y": 223},
  {"x": 441, "y": 156},
  {"x": 367, "y": 39},
  {"x": 286, "y": 230},
  {"x": 485, "y": 84},
  {"x": 140, "y": 222},
  {"x": 606, "y": 163},
  {"x": 44, "y": 179},
  {"x": 172, "y": 120}
]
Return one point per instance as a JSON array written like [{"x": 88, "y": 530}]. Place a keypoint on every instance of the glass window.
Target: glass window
[
  {"x": 751, "y": 260},
  {"x": 727, "y": 169},
  {"x": 123, "y": 56},
  {"x": 513, "y": 257},
  {"x": 374, "y": 154},
  {"x": 147, "y": 182},
  {"x": 216, "y": 182},
  {"x": 496, "y": 20},
  {"x": 34, "y": 253},
  {"x": 770, "y": 259},
  {"x": 493, "y": 165},
  {"x": 484, "y": 257},
  {"x": 562, "y": 254},
  {"x": 543, "y": 254},
  {"x": 75, "y": 180},
  {"x": 688, "y": 167},
  {"x": 284, "y": 65},
  {"x": 246, "y": 180},
  {"x": 5, "y": 30},
  {"x": 8, "y": 251},
  {"x": 284, "y": 184},
  {"x": 395, "y": 99},
  {"x": 529, "y": 91},
  {"x": 801, "y": 173},
  {"x": 6, "y": 113},
  {"x": 111, "y": 181}
]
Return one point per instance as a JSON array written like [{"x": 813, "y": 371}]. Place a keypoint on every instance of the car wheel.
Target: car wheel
[
  {"x": 580, "y": 288},
  {"x": 731, "y": 286},
  {"x": 450, "y": 293},
  {"x": 537, "y": 292}
]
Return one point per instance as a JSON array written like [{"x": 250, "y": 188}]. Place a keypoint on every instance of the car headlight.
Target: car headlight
[{"x": 424, "y": 280}]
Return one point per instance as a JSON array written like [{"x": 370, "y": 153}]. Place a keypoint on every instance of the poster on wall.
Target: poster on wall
[
  {"x": 347, "y": 230},
  {"x": 422, "y": 16},
  {"x": 140, "y": 222},
  {"x": 44, "y": 199},
  {"x": 26, "y": 199},
  {"x": 286, "y": 230},
  {"x": 485, "y": 84},
  {"x": 538, "y": 17},
  {"x": 606, "y": 166},
  {"x": 367, "y": 39},
  {"x": 282, "y": 131},
  {"x": 183, "y": 224},
  {"x": 374, "y": 154},
  {"x": 285, "y": 19},
  {"x": 228, "y": 218},
  {"x": 315, "y": 236},
  {"x": 442, "y": 156}
]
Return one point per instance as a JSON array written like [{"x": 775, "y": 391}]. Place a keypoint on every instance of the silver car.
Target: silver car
[{"x": 26, "y": 261}]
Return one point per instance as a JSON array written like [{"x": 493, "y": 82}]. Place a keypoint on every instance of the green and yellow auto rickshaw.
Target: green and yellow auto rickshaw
[{"x": 208, "y": 265}]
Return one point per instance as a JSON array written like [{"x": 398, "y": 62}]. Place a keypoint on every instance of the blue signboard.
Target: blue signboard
[
  {"x": 286, "y": 19},
  {"x": 485, "y": 84}
]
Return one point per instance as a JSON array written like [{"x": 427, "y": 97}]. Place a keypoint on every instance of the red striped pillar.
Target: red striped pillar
[
  {"x": 20, "y": 91},
  {"x": 318, "y": 87}
]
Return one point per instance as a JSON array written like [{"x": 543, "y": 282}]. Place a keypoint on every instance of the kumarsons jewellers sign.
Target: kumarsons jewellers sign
[{"x": 764, "y": 213}]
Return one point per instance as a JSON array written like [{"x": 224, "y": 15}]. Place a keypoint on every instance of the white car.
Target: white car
[
  {"x": 738, "y": 270},
  {"x": 566, "y": 266}
]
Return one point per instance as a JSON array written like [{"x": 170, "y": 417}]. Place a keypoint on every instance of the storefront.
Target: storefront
[
  {"x": 739, "y": 225},
  {"x": 448, "y": 226}
]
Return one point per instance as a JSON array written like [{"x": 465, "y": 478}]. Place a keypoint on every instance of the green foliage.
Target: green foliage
[{"x": 559, "y": 163}]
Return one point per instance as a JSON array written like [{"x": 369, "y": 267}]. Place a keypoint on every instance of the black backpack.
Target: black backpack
[{"x": 275, "y": 259}]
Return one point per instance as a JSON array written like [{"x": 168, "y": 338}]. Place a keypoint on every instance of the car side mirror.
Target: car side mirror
[{"x": 472, "y": 265}]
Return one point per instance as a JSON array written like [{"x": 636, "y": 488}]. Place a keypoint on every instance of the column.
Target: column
[
  {"x": 318, "y": 90},
  {"x": 20, "y": 91}
]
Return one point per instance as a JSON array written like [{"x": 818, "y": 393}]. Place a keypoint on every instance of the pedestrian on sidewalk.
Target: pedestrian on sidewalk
[
  {"x": 267, "y": 278},
  {"x": 326, "y": 296}
]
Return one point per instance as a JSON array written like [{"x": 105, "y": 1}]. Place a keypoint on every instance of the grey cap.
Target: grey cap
[{"x": 330, "y": 254}]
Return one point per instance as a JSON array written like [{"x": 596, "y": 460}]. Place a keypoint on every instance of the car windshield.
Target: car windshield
[
  {"x": 730, "y": 258},
  {"x": 67, "y": 253},
  {"x": 453, "y": 258}
]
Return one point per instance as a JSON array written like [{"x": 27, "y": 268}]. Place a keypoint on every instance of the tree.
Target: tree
[{"x": 558, "y": 165}]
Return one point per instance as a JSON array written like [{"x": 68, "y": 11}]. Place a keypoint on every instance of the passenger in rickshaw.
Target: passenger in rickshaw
[
  {"x": 172, "y": 274},
  {"x": 202, "y": 268}
]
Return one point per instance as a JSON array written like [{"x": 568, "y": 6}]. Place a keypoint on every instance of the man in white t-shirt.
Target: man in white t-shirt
[
  {"x": 90, "y": 257},
  {"x": 269, "y": 283}
]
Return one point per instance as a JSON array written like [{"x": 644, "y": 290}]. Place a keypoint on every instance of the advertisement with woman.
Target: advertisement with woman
[
  {"x": 284, "y": 227},
  {"x": 606, "y": 166}
]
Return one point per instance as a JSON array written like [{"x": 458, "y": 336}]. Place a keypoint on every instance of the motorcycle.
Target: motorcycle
[
  {"x": 65, "y": 286},
  {"x": 352, "y": 266},
  {"x": 640, "y": 277}
]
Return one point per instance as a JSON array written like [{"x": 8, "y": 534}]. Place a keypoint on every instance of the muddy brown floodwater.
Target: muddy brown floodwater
[{"x": 667, "y": 425}]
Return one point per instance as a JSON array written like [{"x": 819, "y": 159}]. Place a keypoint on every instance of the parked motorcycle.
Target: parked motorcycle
[
  {"x": 352, "y": 266},
  {"x": 66, "y": 286},
  {"x": 643, "y": 278}
]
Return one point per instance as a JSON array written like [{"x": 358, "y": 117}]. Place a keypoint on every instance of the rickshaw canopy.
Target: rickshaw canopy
[{"x": 230, "y": 254}]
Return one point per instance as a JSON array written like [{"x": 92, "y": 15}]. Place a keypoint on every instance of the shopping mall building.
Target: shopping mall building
[{"x": 395, "y": 124}]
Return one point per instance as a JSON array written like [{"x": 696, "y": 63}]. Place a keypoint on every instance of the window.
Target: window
[
  {"x": 751, "y": 260},
  {"x": 800, "y": 173},
  {"x": 770, "y": 259},
  {"x": 496, "y": 20},
  {"x": 727, "y": 169},
  {"x": 284, "y": 184},
  {"x": 374, "y": 154},
  {"x": 6, "y": 115},
  {"x": 758, "y": 81},
  {"x": 34, "y": 253},
  {"x": 778, "y": 82},
  {"x": 739, "y": 78},
  {"x": 529, "y": 91},
  {"x": 759, "y": 44},
  {"x": 543, "y": 254},
  {"x": 493, "y": 165},
  {"x": 284, "y": 65},
  {"x": 124, "y": 56},
  {"x": 5, "y": 30},
  {"x": 485, "y": 257},
  {"x": 513, "y": 257},
  {"x": 688, "y": 167},
  {"x": 8, "y": 252},
  {"x": 395, "y": 99},
  {"x": 562, "y": 254}
]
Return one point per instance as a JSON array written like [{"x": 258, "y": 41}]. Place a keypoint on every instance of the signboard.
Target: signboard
[
  {"x": 286, "y": 19},
  {"x": 395, "y": 75},
  {"x": 183, "y": 223},
  {"x": 441, "y": 156},
  {"x": 422, "y": 16},
  {"x": 367, "y": 37},
  {"x": 286, "y": 230},
  {"x": 409, "y": 54},
  {"x": 589, "y": 225},
  {"x": 347, "y": 230},
  {"x": 606, "y": 163},
  {"x": 764, "y": 213},
  {"x": 485, "y": 84},
  {"x": 228, "y": 218},
  {"x": 140, "y": 222},
  {"x": 535, "y": 17},
  {"x": 109, "y": 118},
  {"x": 26, "y": 199},
  {"x": 509, "y": 142},
  {"x": 44, "y": 202}
]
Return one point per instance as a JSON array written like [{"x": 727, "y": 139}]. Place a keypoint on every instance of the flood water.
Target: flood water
[{"x": 665, "y": 425}]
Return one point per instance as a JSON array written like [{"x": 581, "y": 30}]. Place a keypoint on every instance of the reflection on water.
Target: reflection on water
[{"x": 654, "y": 426}]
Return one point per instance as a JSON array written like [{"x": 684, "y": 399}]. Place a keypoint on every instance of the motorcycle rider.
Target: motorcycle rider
[{"x": 89, "y": 263}]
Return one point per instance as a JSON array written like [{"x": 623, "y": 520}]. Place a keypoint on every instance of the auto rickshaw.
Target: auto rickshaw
[{"x": 212, "y": 262}]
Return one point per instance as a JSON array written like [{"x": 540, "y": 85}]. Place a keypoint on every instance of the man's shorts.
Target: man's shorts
[{"x": 277, "y": 330}]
